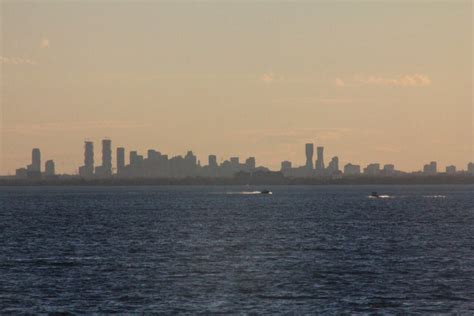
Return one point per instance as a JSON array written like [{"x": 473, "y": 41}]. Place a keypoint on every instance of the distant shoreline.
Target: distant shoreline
[{"x": 360, "y": 180}]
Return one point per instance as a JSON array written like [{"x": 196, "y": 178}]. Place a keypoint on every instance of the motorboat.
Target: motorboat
[{"x": 375, "y": 194}]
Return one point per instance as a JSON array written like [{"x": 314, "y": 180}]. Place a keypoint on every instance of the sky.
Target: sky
[{"x": 386, "y": 81}]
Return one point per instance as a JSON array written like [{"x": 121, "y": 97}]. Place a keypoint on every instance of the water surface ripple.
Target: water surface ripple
[{"x": 211, "y": 249}]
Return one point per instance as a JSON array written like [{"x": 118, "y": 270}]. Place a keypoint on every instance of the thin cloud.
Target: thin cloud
[
  {"x": 408, "y": 80},
  {"x": 44, "y": 43},
  {"x": 17, "y": 61},
  {"x": 339, "y": 82},
  {"x": 414, "y": 80},
  {"x": 312, "y": 101},
  {"x": 270, "y": 77}
]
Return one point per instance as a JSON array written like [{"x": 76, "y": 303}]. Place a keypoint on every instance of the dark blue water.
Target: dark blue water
[{"x": 214, "y": 249}]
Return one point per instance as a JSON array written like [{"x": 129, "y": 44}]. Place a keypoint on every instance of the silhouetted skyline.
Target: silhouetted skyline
[{"x": 158, "y": 165}]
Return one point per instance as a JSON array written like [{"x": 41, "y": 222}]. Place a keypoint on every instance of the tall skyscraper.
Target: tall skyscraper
[
  {"x": 87, "y": 170},
  {"x": 309, "y": 155},
  {"x": 320, "y": 159},
  {"x": 107, "y": 157},
  {"x": 133, "y": 158},
  {"x": 35, "y": 160},
  {"x": 89, "y": 156},
  {"x": 120, "y": 159}
]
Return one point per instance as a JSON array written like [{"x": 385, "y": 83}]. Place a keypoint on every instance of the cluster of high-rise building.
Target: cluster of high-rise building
[
  {"x": 312, "y": 168},
  {"x": 158, "y": 165},
  {"x": 33, "y": 170},
  {"x": 105, "y": 170}
]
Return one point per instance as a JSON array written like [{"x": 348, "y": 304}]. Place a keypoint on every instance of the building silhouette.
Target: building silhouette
[
  {"x": 250, "y": 164},
  {"x": 87, "y": 170},
  {"x": 451, "y": 169},
  {"x": 105, "y": 170},
  {"x": 309, "y": 149},
  {"x": 470, "y": 167},
  {"x": 120, "y": 160},
  {"x": 49, "y": 168},
  {"x": 431, "y": 168},
  {"x": 388, "y": 170},
  {"x": 320, "y": 160},
  {"x": 351, "y": 170},
  {"x": 372, "y": 169},
  {"x": 333, "y": 166},
  {"x": 35, "y": 161},
  {"x": 285, "y": 166},
  {"x": 107, "y": 156}
]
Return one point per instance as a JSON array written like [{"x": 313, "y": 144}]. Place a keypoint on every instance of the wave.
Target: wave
[{"x": 434, "y": 196}]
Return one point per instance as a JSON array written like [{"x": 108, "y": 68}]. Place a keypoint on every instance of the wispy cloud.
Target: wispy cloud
[
  {"x": 16, "y": 61},
  {"x": 44, "y": 43},
  {"x": 294, "y": 101},
  {"x": 339, "y": 82},
  {"x": 270, "y": 77},
  {"x": 408, "y": 80},
  {"x": 414, "y": 80}
]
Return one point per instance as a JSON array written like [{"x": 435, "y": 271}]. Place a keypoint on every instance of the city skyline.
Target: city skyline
[
  {"x": 258, "y": 79},
  {"x": 155, "y": 164}
]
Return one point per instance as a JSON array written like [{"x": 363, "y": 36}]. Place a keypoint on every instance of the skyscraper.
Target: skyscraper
[
  {"x": 120, "y": 159},
  {"x": 107, "y": 157},
  {"x": 89, "y": 156},
  {"x": 49, "y": 169},
  {"x": 250, "y": 164},
  {"x": 320, "y": 159},
  {"x": 35, "y": 161},
  {"x": 333, "y": 166},
  {"x": 309, "y": 156},
  {"x": 133, "y": 158},
  {"x": 212, "y": 161},
  {"x": 87, "y": 170}
]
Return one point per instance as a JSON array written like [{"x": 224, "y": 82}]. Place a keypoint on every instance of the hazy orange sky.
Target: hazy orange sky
[{"x": 387, "y": 81}]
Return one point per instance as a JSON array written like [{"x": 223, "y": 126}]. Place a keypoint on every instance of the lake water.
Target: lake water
[{"x": 302, "y": 249}]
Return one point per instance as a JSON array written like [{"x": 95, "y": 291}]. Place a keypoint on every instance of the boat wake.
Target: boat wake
[
  {"x": 248, "y": 192},
  {"x": 381, "y": 197}
]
